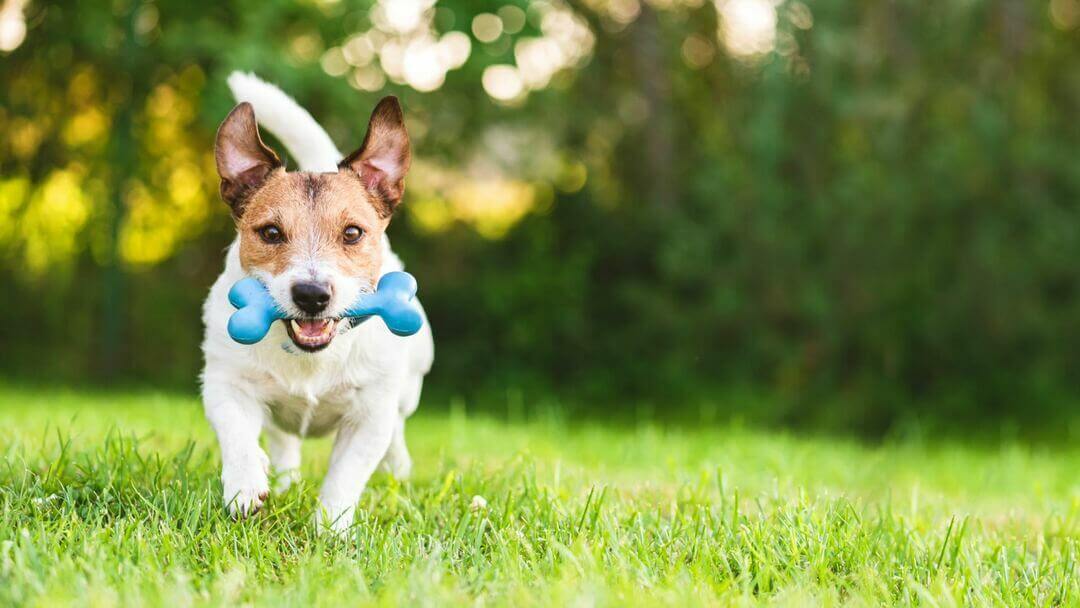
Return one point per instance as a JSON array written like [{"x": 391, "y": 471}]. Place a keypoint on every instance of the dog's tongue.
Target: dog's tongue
[{"x": 312, "y": 328}]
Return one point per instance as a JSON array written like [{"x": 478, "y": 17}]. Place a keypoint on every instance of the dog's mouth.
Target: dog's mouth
[{"x": 311, "y": 334}]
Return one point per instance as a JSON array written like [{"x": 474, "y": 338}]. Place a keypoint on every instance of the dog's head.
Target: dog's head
[{"x": 314, "y": 239}]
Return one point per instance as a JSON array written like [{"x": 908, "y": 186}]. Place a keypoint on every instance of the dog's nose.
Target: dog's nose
[{"x": 311, "y": 298}]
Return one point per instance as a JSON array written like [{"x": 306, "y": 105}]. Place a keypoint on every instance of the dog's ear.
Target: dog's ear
[
  {"x": 243, "y": 160},
  {"x": 383, "y": 159}
]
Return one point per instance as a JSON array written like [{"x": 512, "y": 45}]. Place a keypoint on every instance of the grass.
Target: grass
[{"x": 114, "y": 499}]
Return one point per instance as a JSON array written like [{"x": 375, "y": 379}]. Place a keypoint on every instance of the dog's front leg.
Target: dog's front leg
[
  {"x": 284, "y": 451},
  {"x": 237, "y": 419},
  {"x": 397, "y": 461},
  {"x": 360, "y": 445}
]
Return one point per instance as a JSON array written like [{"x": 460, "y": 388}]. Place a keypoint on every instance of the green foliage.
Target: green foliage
[{"x": 875, "y": 221}]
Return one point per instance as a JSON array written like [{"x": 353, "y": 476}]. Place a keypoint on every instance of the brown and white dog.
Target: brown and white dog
[{"x": 316, "y": 238}]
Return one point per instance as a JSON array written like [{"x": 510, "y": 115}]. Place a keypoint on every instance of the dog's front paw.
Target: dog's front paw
[
  {"x": 246, "y": 487},
  {"x": 284, "y": 480},
  {"x": 336, "y": 519},
  {"x": 398, "y": 464}
]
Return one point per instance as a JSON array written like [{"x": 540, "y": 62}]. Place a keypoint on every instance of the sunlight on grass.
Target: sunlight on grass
[{"x": 108, "y": 498}]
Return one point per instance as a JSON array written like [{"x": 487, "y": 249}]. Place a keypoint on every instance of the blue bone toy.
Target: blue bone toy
[{"x": 394, "y": 300}]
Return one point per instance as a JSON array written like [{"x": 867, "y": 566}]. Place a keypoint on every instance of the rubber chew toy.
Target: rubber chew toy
[{"x": 394, "y": 300}]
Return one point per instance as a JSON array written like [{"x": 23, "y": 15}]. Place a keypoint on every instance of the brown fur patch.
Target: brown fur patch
[
  {"x": 378, "y": 198},
  {"x": 313, "y": 210}
]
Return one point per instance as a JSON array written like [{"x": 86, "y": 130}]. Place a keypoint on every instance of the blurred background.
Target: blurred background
[{"x": 851, "y": 216}]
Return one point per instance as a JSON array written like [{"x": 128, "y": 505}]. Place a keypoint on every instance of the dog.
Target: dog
[{"x": 316, "y": 238}]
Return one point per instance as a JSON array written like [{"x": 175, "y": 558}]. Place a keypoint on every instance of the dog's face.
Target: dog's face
[{"x": 314, "y": 239}]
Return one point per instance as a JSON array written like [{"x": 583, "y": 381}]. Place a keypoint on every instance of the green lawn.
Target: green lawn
[{"x": 108, "y": 499}]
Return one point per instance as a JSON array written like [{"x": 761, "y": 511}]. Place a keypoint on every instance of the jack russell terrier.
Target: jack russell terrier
[{"x": 316, "y": 239}]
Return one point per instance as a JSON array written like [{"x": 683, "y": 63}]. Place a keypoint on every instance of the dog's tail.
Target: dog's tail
[{"x": 306, "y": 141}]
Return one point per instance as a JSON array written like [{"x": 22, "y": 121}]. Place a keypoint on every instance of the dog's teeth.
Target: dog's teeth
[{"x": 295, "y": 326}]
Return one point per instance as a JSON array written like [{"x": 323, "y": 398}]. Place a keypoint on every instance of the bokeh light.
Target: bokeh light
[
  {"x": 747, "y": 27},
  {"x": 487, "y": 27},
  {"x": 454, "y": 49},
  {"x": 513, "y": 18},
  {"x": 423, "y": 66},
  {"x": 503, "y": 82},
  {"x": 12, "y": 25},
  {"x": 697, "y": 51}
]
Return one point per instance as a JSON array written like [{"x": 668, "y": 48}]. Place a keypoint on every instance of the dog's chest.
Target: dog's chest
[
  {"x": 309, "y": 396},
  {"x": 311, "y": 416}
]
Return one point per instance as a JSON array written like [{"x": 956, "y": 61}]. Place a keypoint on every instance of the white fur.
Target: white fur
[{"x": 363, "y": 385}]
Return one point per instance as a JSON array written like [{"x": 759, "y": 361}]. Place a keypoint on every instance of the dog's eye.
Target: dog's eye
[
  {"x": 271, "y": 234},
  {"x": 353, "y": 234}
]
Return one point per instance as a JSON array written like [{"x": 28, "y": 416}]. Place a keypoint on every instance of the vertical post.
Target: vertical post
[
  {"x": 122, "y": 160},
  {"x": 654, "y": 74}
]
